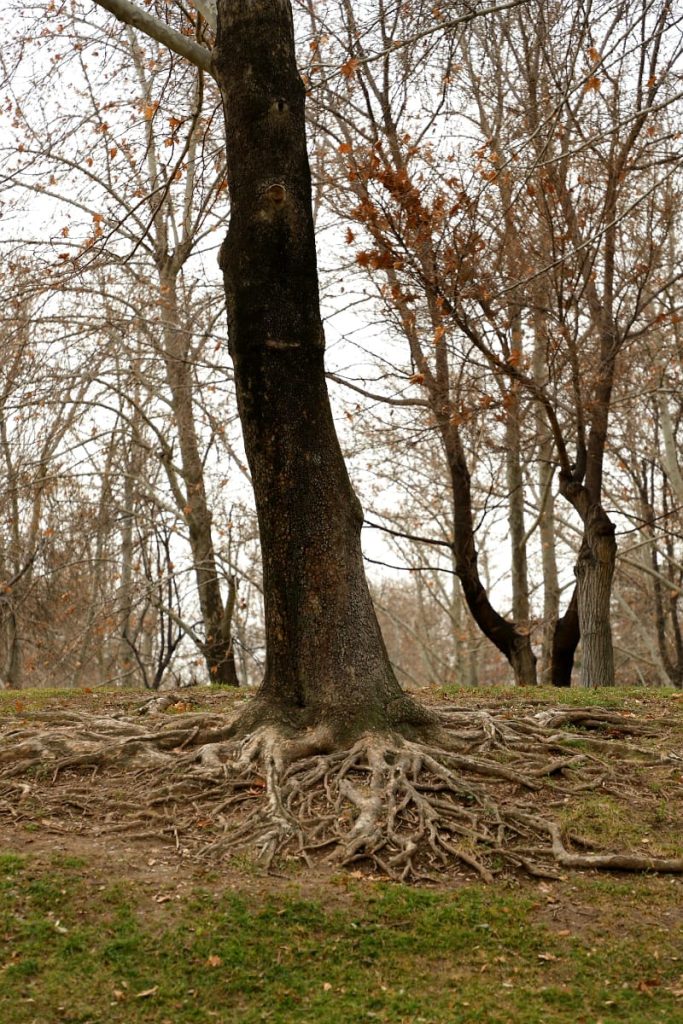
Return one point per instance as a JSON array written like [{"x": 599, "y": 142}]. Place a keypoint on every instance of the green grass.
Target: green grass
[
  {"x": 19, "y": 702},
  {"x": 604, "y": 697},
  {"x": 14, "y": 701},
  {"x": 75, "y": 952}
]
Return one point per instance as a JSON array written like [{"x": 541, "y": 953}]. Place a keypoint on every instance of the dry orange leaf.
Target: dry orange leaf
[{"x": 349, "y": 68}]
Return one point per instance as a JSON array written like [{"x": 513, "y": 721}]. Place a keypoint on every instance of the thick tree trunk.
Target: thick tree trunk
[
  {"x": 326, "y": 661},
  {"x": 594, "y": 573}
]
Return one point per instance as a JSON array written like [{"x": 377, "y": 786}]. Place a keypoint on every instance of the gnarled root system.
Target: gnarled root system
[{"x": 480, "y": 791}]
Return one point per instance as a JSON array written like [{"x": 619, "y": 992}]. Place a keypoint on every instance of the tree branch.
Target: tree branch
[{"x": 133, "y": 15}]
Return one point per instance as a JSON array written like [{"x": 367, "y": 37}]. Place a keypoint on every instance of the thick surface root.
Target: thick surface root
[{"x": 481, "y": 795}]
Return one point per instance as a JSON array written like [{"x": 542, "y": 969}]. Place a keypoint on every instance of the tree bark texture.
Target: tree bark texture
[
  {"x": 326, "y": 662},
  {"x": 594, "y": 572}
]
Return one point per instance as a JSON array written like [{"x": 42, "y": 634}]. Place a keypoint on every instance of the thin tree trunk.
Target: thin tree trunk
[
  {"x": 216, "y": 616},
  {"x": 546, "y": 520},
  {"x": 12, "y": 669},
  {"x": 515, "y": 645},
  {"x": 548, "y": 539},
  {"x": 515, "y": 483},
  {"x": 566, "y": 636},
  {"x": 456, "y": 615},
  {"x": 124, "y": 596}
]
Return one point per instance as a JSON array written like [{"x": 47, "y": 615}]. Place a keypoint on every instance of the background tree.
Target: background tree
[{"x": 535, "y": 246}]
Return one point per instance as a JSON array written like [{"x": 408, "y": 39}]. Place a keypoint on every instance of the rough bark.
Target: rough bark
[
  {"x": 594, "y": 572},
  {"x": 11, "y": 678},
  {"x": 326, "y": 661}
]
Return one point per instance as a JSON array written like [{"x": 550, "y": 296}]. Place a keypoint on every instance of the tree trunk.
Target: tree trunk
[
  {"x": 326, "y": 662},
  {"x": 13, "y": 662},
  {"x": 513, "y": 643},
  {"x": 566, "y": 636},
  {"x": 216, "y": 616},
  {"x": 594, "y": 573},
  {"x": 126, "y": 669},
  {"x": 515, "y": 484},
  {"x": 546, "y": 515},
  {"x": 551, "y": 585}
]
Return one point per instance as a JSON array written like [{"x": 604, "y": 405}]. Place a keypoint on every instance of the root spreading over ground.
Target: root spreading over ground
[{"x": 486, "y": 795}]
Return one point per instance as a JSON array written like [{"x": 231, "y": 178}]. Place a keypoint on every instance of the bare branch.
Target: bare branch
[{"x": 133, "y": 15}]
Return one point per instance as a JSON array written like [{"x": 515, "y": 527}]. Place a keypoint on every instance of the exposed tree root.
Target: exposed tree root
[{"x": 478, "y": 793}]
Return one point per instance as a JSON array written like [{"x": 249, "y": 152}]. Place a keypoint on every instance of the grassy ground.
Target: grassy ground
[
  {"x": 80, "y": 947},
  {"x": 105, "y": 929}
]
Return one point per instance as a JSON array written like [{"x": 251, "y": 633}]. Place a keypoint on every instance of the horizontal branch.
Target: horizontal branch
[
  {"x": 386, "y": 399},
  {"x": 410, "y": 536},
  {"x": 153, "y": 27}
]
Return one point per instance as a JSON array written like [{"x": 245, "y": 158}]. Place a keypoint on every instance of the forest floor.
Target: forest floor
[{"x": 100, "y": 922}]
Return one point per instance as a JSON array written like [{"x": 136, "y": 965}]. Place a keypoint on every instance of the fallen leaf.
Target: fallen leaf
[
  {"x": 214, "y": 961},
  {"x": 147, "y": 992}
]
